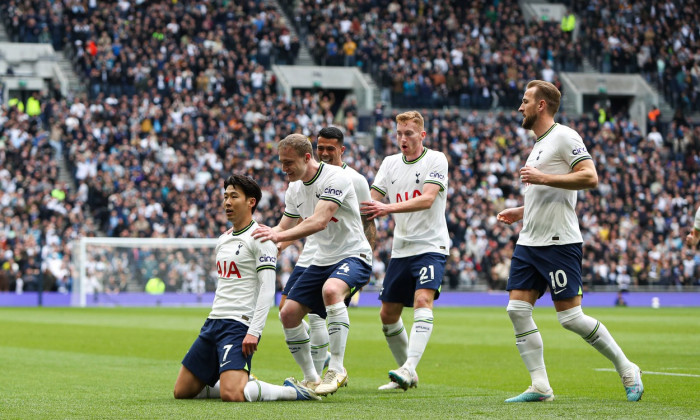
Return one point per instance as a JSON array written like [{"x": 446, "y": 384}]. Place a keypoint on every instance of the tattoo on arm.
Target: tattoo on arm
[{"x": 370, "y": 231}]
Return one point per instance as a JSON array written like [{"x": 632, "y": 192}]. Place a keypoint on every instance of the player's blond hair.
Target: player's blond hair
[
  {"x": 297, "y": 142},
  {"x": 414, "y": 116},
  {"x": 547, "y": 92}
]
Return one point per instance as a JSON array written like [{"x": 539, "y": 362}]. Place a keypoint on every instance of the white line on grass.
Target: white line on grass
[{"x": 646, "y": 372}]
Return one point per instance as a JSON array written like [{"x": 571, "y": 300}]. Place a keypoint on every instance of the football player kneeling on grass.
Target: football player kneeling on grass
[{"x": 219, "y": 362}]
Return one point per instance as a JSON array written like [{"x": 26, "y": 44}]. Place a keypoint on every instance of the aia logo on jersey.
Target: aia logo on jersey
[
  {"x": 405, "y": 197},
  {"x": 267, "y": 258},
  {"x": 579, "y": 151},
  {"x": 227, "y": 270},
  {"x": 437, "y": 175}
]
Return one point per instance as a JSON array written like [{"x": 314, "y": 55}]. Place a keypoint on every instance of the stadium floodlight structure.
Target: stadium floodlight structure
[{"x": 115, "y": 271}]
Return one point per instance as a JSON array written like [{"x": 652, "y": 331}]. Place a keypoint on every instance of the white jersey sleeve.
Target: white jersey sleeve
[
  {"x": 697, "y": 219},
  {"x": 266, "y": 264},
  {"x": 360, "y": 184}
]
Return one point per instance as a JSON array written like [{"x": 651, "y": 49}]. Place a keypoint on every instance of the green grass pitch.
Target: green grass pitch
[{"x": 121, "y": 363}]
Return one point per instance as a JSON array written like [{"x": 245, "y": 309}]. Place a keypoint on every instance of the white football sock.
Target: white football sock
[
  {"x": 595, "y": 334},
  {"x": 319, "y": 341},
  {"x": 529, "y": 342},
  {"x": 420, "y": 334},
  {"x": 298, "y": 342},
  {"x": 397, "y": 339},
  {"x": 210, "y": 392},
  {"x": 262, "y": 391},
  {"x": 338, "y": 329}
]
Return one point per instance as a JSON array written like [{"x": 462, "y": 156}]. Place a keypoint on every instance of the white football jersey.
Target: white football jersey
[
  {"x": 550, "y": 213},
  {"x": 399, "y": 180},
  {"x": 344, "y": 236},
  {"x": 246, "y": 278},
  {"x": 696, "y": 225},
  {"x": 361, "y": 189}
]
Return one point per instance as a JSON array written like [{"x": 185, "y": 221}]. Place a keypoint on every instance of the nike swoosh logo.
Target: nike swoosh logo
[
  {"x": 299, "y": 205},
  {"x": 394, "y": 181},
  {"x": 224, "y": 364},
  {"x": 559, "y": 291},
  {"x": 424, "y": 281}
]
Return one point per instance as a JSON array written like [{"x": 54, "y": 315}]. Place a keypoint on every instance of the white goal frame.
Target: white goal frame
[{"x": 80, "y": 255}]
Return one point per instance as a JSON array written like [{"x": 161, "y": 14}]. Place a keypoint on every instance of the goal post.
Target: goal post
[{"x": 116, "y": 271}]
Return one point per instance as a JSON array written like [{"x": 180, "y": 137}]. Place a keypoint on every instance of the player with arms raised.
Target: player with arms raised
[
  {"x": 246, "y": 285},
  {"x": 550, "y": 246},
  {"x": 415, "y": 184}
]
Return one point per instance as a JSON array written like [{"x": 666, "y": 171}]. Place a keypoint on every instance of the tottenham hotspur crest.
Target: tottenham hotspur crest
[{"x": 417, "y": 176}]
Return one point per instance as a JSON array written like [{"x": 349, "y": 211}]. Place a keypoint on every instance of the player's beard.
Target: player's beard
[{"x": 529, "y": 121}]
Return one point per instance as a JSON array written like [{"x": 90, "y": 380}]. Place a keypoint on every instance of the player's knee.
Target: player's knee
[
  {"x": 423, "y": 301},
  {"x": 235, "y": 395},
  {"x": 288, "y": 318},
  {"x": 334, "y": 291},
  {"x": 519, "y": 310},
  {"x": 181, "y": 394},
  {"x": 388, "y": 316}
]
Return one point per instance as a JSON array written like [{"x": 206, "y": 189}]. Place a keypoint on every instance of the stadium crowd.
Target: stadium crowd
[
  {"x": 147, "y": 149},
  {"x": 475, "y": 54}
]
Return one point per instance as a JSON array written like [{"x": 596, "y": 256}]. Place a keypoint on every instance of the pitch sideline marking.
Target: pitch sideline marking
[{"x": 690, "y": 375}]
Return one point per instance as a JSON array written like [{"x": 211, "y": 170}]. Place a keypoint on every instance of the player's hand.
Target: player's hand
[
  {"x": 250, "y": 345},
  {"x": 690, "y": 240},
  {"x": 532, "y": 175},
  {"x": 265, "y": 233},
  {"x": 509, "y": 216},
  {"x": 373, "y": 209}
]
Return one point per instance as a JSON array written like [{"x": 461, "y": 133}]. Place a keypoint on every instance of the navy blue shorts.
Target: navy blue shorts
[
  {"x": 555, "y": 266},
  {"x": 296, "y": 273},
  {"x": 218, "y": 348},
  {"x": 308, "y": 289},
  {"x": 406, "y": 275}
]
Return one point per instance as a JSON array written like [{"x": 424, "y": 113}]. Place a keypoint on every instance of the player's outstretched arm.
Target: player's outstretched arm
[
  {"x": 374, "y": 209},
  {"x": 323, "y": 213}
]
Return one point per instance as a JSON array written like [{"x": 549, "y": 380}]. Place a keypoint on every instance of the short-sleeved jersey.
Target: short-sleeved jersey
[
  {"x": 550, "y": 213},
  {"x": 240, "y": 260},
  {"x": 344, "y": 236},
  {"x": 696, "y": 225},
  {"x": 361, "y": 189},
  {"x": 400, "y": 180}
]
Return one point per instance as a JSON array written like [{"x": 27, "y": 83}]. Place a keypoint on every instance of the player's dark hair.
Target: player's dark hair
[
  {"x": 332, "y": 133},
  {"x": 548, "y": 92},
  {"x": 250, "y": 188}
]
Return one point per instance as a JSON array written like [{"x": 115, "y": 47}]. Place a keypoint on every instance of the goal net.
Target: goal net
[{"x": 144, "y": 271}]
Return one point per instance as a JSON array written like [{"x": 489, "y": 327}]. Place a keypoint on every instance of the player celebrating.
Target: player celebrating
[
  {"x": 549, "y": 249},
  {"x": 415, "y": 183},
  {"x": 246, "y": 286},
  {"x": 323, "y": 198},
  {"x": 329, "y": 149}
]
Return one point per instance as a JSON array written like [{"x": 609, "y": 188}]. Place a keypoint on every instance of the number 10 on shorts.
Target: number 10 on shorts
[{"x": 558, "y": 279}]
